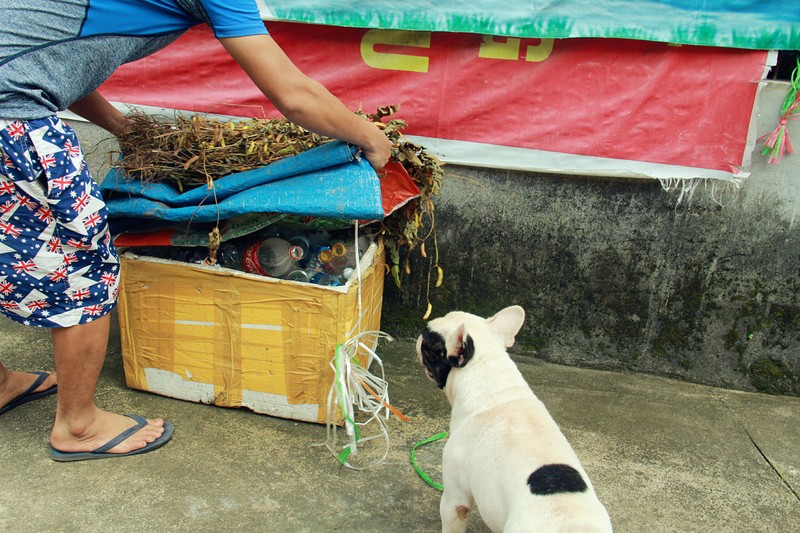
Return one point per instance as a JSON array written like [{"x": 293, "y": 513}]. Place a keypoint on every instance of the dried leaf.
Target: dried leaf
[{"x": 190, "y": 161}]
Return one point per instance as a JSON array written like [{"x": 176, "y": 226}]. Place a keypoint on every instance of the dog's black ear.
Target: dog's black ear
[
  {"x": 463, "y": 350},
  {"x": 433, "y": 351}
]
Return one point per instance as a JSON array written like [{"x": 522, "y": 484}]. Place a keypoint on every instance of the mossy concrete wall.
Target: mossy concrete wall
[{"x": 614, "y": 273}]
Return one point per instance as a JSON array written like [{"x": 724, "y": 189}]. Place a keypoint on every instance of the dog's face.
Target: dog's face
[{"x": 453, "y": 340}]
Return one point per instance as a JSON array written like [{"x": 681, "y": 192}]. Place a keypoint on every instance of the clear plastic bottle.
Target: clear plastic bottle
[
  {"x": 325, "y": 278},
  {"x": 319, "y": 259},
  {"x": 343, "y": 257},
  {"x": 342, "y": 262},
  {"x": 273, "y": 257},
  {"x": 298, "y": 239},
  {"x": 300, "y": 275},
  {"x": 338, "y": 248}
]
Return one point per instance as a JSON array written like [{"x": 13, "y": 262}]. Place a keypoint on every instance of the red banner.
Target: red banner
[{"x": 619, "y": 100}]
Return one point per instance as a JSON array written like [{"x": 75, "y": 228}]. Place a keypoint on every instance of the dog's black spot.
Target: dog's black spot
[
  {"x": 434, "y": 356},
  {"x": 553, "y": 479}
]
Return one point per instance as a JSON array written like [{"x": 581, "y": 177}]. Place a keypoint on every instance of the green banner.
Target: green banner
[{"x": 751, "y": 24}]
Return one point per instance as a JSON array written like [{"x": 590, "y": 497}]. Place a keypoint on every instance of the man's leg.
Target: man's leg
[
  {"x": 80, "y": 426},
  {"x": 12, "y": 384}
]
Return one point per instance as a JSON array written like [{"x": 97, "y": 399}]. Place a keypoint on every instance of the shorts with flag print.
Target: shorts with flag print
[{"x": 58, "y": 266}]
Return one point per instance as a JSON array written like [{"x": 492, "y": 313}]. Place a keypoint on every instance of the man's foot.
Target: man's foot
[
  {"x": 103, "y": 451},
  {"x": 17, "y": 388},
  {"x": 102, "y": 429}
]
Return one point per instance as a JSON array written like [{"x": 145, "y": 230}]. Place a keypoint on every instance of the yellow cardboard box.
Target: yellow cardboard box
[{"x": 213, "y": 335}]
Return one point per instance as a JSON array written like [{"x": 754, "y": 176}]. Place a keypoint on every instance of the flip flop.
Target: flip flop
[
  {"x": 29, "y": 395},
  {"x": 102, "y": 453}
]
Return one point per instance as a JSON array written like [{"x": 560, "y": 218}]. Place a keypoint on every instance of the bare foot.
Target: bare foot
[
  {"x": 15, "y": 383},
  {"x": 103, "y": 427}
]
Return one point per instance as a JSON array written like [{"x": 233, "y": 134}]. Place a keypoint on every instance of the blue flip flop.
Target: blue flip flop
[
  {"x": 29, "y": 395},
  {"x": 102, "y": 451}
]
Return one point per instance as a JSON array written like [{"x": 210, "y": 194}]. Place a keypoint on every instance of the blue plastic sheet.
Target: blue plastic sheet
[{"x": 326, "y": 181}]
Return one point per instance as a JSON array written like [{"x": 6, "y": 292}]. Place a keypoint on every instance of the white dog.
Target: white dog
[{"x": 505, "y": 452}]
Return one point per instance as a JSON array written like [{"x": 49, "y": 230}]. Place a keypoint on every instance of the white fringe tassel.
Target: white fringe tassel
[{"x": 722, "y": 191}]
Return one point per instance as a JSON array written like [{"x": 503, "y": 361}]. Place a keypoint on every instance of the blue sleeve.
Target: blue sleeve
[
  {"x": 234, "y": 18},
  {"x": 227, "y": 18},
  {"x": 135, "y": 17}
]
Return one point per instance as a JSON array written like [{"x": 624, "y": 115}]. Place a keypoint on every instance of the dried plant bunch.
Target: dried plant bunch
[{"x": 192, "y": 150}]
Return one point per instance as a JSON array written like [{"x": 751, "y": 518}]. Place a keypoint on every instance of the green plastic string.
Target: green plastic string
[
  {"x": 422, "y": 474},
  {"x": 345, "y": 453},
  {"x": 795, "y": 86}
]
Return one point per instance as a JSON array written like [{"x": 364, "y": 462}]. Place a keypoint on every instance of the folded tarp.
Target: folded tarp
[{"x": 327, "y": 181}]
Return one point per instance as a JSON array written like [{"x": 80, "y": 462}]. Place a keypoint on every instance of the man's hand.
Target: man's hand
[{"x": 379, "y": 151}]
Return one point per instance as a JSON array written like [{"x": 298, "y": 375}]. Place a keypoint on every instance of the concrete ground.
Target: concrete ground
[{"x": 663, "y": 455}]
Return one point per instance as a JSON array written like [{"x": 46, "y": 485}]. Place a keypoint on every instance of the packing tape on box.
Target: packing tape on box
[{"x": 210, "y": 335}]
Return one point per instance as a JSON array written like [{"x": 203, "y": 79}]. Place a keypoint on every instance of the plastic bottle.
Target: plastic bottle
[
  {"x": 272, "y": 257},
  {"x": 342, "y": 257},
  {"x": 325, "y": 278},
  {"x": 300, "y": 275},
  {"x": 300, "y": 240},
  {"x": 347, "y": 260},
  {"x": 193, "y": 254},
  {"x": 231, "y": 255},
  {"x": 319, "y": 259},
  {"x": 338, "y": 248},
  {"x": 198, "y": 256}
]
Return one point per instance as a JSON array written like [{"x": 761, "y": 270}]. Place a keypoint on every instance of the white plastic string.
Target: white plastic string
[
  {"x": 358, "y": 274},
  {"x": 349, "y": 390}
]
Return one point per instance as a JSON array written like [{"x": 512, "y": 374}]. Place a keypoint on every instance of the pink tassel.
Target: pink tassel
[{"x": 776, "y": 142}]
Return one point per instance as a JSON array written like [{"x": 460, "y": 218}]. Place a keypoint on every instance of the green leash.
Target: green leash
[{"x": 422, "y": 474}]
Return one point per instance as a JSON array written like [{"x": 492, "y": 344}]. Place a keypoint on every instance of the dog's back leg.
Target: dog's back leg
[{"x": 454, "y": 510}]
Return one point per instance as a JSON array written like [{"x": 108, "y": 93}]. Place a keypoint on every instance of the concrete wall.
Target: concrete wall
[{"x": 613, "y": 273}]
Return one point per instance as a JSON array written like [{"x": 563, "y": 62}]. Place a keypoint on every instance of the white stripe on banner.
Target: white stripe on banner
[{"x": 485, "y": 155}]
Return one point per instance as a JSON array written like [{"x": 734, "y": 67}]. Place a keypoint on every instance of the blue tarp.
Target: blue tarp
[{"x": 326, "y": 181}]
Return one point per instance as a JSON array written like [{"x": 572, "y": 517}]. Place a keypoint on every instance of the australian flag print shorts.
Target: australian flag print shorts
[{"x": 58, "y": 266}]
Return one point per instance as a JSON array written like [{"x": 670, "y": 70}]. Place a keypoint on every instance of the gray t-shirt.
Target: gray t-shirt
[{"x": 55, "y": 52}]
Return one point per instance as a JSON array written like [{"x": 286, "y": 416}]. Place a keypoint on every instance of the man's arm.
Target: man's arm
[
  {"x": 99, "y": 111},
  {"x": 303, "y": 100}
]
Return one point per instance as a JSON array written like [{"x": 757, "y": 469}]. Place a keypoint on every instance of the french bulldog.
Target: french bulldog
[{"x": 505, "y": 453}]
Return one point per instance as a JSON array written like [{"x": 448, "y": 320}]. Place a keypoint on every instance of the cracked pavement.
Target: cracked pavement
[{"x": 663, "y": 455}]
